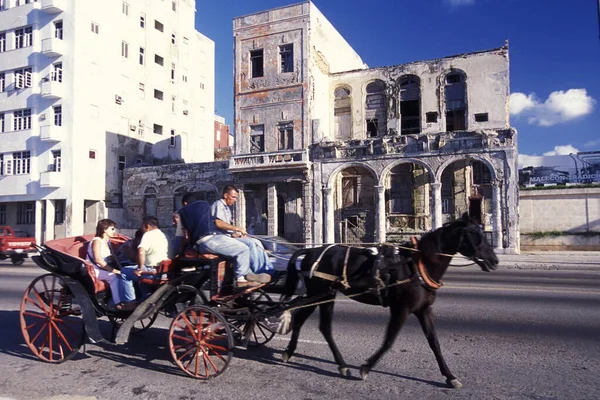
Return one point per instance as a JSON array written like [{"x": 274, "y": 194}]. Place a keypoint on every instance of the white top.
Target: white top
[
  {"x": 105, "y": 253},
  {"x": 156, "y": 246}
]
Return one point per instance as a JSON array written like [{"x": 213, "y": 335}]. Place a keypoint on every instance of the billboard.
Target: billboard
[{"x": 576, "y": 168}]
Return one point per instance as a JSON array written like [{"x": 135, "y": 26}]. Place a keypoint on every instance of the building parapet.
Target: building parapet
[
  {"x": 446, "y": 142},
  {"x": 270, "y": 161}
]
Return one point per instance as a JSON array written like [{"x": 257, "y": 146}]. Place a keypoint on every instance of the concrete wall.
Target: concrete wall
[{"x": 563, "y": 210}]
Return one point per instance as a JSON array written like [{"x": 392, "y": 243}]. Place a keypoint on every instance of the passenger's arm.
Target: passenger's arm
[{"x": 226, "y": 227}]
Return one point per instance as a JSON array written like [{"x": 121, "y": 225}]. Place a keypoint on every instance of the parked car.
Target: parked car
[{"x": 15, "y": 245}]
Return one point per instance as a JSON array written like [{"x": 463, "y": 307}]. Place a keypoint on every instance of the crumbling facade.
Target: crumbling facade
[{"x": 329, "y": 150}]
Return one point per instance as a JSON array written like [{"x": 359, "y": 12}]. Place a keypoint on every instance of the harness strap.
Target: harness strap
[
  {"x": 344, "y": 277},
  {"x": 429, "y": 282},
  {"x": 318, "y": 260}
]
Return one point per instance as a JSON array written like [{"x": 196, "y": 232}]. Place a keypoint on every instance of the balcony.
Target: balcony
[
  {"x": 52, "y": 133},
  {"x": 51, "y": 179},
  {"x": 415, "y": 145},
  {"x": 53, "y": 47},
  {"x": 294, "y": 159},
  {"x": 52, "y": 89},
  {"x": 54, "y": 6}
]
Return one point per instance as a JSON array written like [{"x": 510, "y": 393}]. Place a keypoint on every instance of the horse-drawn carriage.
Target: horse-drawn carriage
[{"x": 60, "y": 309}]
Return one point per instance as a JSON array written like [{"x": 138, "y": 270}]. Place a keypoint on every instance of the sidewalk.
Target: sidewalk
[{"x": 563, "y": 260}]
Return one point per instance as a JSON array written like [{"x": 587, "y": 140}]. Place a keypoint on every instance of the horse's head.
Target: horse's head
[{"x": 472, "y": 243}]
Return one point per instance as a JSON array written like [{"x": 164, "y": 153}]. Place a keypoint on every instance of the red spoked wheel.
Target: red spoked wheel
[
  {"x": 201, "y": 342},
  {"x": 51, "y": 320}
]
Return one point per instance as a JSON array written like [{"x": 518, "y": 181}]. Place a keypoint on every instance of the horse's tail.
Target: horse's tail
[{"x": 293, "y": 275}]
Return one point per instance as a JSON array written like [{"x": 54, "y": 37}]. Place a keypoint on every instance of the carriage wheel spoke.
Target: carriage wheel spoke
[
  {"x": 31, "y": 314},
  {"x": 41, "y": 302},
  {"x": 50, "y": 340},
  {"x": 66, "y": 325},
  {"x": 39, "y": 332},
  {"x": 186, "y": 353},
  {"x": 217, "y": 353},
  {"x": 209, "y": 359},
  {"x": 61, "y": 336},
  {"x": 28, "y": 327},
  {"x": 185, "y": 339}
]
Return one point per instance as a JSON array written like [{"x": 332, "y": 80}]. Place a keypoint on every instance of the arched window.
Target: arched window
[
  {"x": 410, "y": 105},
  {"x": 375, "y": 109},
  {"x": 342, "y": 113},
  {"x": 150, "y": 202},
  {"x": 455, "y": 94}
]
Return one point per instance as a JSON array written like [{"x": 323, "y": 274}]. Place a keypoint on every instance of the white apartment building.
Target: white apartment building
[{"x": 88, "y": 88}]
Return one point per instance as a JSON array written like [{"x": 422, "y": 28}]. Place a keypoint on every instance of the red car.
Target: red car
[{"x": 15, "y": 245}]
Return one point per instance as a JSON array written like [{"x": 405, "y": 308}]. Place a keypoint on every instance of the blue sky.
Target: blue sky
[{"x": 554, "y": 53}]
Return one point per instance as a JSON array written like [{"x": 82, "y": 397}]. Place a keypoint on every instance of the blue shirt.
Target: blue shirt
[{"x": 220, "y": 210}]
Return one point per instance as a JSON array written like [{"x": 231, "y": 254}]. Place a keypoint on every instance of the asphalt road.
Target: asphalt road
[{"x": 510, "y": 334}]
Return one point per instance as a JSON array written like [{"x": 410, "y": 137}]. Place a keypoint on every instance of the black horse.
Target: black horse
[{"x": 406, "y": 283}]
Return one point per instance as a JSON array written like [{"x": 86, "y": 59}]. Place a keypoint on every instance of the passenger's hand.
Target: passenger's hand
[
  {"x": 116, "y": 271},
  {"x": 137, "y": 272}
]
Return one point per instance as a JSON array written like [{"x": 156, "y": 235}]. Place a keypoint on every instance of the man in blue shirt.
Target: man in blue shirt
[{"x": 197, "y": 219}]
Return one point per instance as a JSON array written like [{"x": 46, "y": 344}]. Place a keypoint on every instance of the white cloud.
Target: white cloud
[
  {"x": 458, "y": 3},
  {"x": 530, "y": 161},
  {"x": 520, "y": 102},
  {"x": 559, "y": 107},
  {"x": 561, "y": 150}
]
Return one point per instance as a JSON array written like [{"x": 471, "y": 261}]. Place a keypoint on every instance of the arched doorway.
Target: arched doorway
[{"x": 355, "y": 206}]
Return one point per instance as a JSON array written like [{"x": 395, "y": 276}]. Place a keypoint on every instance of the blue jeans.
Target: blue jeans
[
  {"x": 259, "y": 261},
  {"x": 128, "y": 277},
  {"x": 228, "y": 247}
]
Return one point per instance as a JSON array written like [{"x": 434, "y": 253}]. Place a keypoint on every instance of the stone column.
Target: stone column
[
  {"x": 39, "y": 204},
  {"x": 307, "y": 197},
  {"x": 240, "y": 209},
  {"x": 49, "y": 231},
  {"x": 272, "y": 227},
  {"x": 329, "y": 215},
  {"x": 380, "y": 218},
  {"x": 436, "y": 221},
  {"x": 497, "y": 210}
]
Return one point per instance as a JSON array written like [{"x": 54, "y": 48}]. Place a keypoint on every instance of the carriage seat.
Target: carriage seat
[
  {"x": 191, "y": 253},
  {"x": 163, "y": 269},
  {"x": 79, "y": 250}
]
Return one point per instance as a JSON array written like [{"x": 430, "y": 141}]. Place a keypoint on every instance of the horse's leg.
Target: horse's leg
[
  {"x": 325, "y": 321},
  {"x": 398, "y": 317},
  {"x": 425, "y": 317},
  {"x": 298, "y": 320}
]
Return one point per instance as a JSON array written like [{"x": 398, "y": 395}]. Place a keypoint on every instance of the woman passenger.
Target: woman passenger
[{"x": 101, "y": 255}]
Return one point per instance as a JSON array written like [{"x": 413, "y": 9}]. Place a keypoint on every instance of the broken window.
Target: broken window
[
  {"x": 372, "y": 127},
  {"x": 375, "y": 109},
  {"x": 455, "y": 96},
  {"x": 286, "y": 136},
  {"x": 431, "y": 116},
  {"x": 447, "y": 190},
  {"x": 349, "y": 191},
  {"x": 257, "y": 139},
  {"x": 286, "y": 55},
  {"x": 342, "y": 113},
  {"x": 256, "y": 63},
  {"x": 401, "y": 190},
  {"x": 483, "y": 117},
  {"x": 410, "y": 109},
  {"x": 481, "y": 173}
]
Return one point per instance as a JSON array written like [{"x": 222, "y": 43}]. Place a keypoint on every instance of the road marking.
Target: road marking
[
  {"x": 524, "y": 289},
  {"x": 300, "y": 340}
]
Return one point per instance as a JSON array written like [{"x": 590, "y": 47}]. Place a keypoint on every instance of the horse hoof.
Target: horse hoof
[
  {"x": 285, "y": 357},
  {"x": 343, "y": 371},
  {"x": 453, "y": 383},
  {"x": 364, "y": 372}
]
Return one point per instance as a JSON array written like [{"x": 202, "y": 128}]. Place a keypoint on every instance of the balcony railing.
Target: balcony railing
[
  {"x": 51, "y": 179},
  {"x": 51, "y": 133},
  {"x": 53, "y": 47},
  {"x": 54, "y": 6},
  {"x": 275, "y": 160}
]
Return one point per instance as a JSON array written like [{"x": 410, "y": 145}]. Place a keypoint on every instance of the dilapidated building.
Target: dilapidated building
[{"x": 329, "y": 150}]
